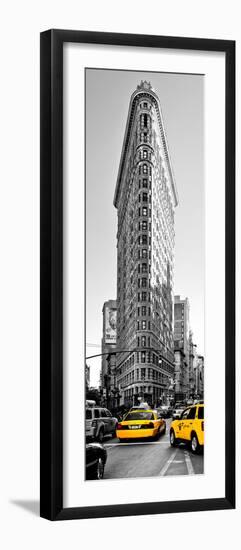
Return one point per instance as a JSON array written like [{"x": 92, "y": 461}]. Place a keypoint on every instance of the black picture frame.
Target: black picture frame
[{"x": 51, "y": 322}]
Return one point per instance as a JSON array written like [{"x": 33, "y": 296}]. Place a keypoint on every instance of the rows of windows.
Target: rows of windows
[
  {"x": 143, "y": 311},
  {"x": 142, "y": 282},
  {"x": 142, "y": 268},
  {"x": 141, "y": 375},
  {"x": 144, "y": 154},
  {"x": 147, "y": 357},
  {"x": 143, "y": 341},
  {"x": 145, "y": 120},
  {"x": 144, "y": 210},
  {"x": 143, "y": 325},
  {"x": 144, "y": 169},
  {"x": 144, "y": 296},
  {"x": 142, "y": 253},
  {"x": 144, "y": 183},
  {"x": 143, "y": 239}
]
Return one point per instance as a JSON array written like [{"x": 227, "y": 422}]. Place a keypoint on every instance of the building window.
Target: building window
[
  {"x": 143, "y": 296},
  {"x": 145, "y": 105},
  {"x": 144, "y": 211},
  {"x": 144, "y": 182},
  {"x": 144, "y": 253},
  {"x": 144, "y": 197},
  {"x": 145, "y": 120},
  {"x": 143, "y": 341},
  {"x": 144, "y": 268},
  {"x": 144, "y": 282},
  {"x": 144, "y": 225},
  {"x": 145, "y": 154},
  {"x": 143, "y": 310},
  {"x": 143, "y": 324},
  {"x": 144, "y": 168}
]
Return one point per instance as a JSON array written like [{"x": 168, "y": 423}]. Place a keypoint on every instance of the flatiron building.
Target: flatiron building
[{"x": 145, "y": 199}]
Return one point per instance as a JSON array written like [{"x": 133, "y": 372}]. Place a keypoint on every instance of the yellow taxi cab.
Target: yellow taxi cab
[
  {"x": 140, "y": 424},
  {"x": 189, "y": 428}
]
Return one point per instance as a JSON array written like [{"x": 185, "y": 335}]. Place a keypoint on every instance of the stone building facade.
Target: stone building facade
[
  {"x": 181, "y": 340},
  {"x": 145, "y": 198},
  {"x": 180, "y": 376},
  {"x": 108, "y": 347},
  {"x": 181, "y": 323}
]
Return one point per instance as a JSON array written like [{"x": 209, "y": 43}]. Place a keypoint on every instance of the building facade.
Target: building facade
[
  {"x": 181, "y": 324},
  {"x": 145, "y": 198},
  {"x": 87, "y": 377},
  {"x": 199, "y": 377},
  {"x": 192, "y": 357},
  {"x": 180, "y": 376},
  {"x": 108, "y": 347}
]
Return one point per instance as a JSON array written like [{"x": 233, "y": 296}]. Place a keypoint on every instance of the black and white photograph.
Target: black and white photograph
[{"x": 144, "y": 278}]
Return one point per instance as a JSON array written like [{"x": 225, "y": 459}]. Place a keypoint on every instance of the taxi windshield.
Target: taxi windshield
[{"x": 139, "y": 415}]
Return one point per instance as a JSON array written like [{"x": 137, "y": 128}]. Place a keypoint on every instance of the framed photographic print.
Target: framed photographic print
[{"x": 137, "y": 274}]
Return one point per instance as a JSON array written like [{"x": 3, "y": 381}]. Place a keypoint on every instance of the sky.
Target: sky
[{"x": 181, "y": 97}]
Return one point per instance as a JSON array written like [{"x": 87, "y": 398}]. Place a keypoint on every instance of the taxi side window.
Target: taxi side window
[
  {"x": 103, "y": 413},
  {"x": 201, "y": 413},
  {"x": 192, "y": 413},
  {"x": 185, "y": 414},
  {"x": 96, "y": 413}
]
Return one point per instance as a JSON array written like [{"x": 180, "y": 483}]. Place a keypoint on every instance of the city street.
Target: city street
[{"x": 152, "y": 458}]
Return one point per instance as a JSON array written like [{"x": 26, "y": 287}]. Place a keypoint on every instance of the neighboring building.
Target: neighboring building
[
  {"x": 181, "y": 324},
  {"x": 192, "y": 357},
  {"x": 180, "y": 375},
  {"x": 145, "y": 198},
  {"x": 181, "y": 331},
  {"x": 108, "y": 345},
  {"x": 199, "y": 377},
  {"x": 87, "y": 377}
]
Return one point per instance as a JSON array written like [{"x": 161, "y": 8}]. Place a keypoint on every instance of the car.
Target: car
[
  {"x": 177, "y": 411},
  {"x": 165, "y": 411},
  {"x": 99, "y": 422},
  {"x": 96, "y": 456},
  {"x": 140, "y": 423},
  {"x": 141, "y": 406},
  {"x": 189, "y": 428}
]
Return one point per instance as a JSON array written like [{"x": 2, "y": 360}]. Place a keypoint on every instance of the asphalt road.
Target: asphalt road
[{"x": 152, "y": 458}]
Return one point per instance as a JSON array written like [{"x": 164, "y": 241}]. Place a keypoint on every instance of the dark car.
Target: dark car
[
  {"x": 96, "y": 456},
  {"x": 165, "y": 411}
]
